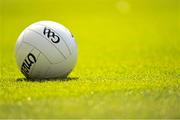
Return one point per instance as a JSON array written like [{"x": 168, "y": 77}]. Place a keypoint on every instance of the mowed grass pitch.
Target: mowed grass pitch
[{"x": 128, "y": 62}]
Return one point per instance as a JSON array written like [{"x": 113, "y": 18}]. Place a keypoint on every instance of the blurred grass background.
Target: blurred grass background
[{"x": 128, "y": 64}]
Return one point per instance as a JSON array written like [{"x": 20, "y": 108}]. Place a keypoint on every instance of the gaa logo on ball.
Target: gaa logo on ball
[{"x": 45, "y": 50}]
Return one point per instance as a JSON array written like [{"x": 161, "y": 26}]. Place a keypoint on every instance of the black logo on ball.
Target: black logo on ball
[
  {"x": 28, "y": 62},
  {"x": 51, "y": 35}
]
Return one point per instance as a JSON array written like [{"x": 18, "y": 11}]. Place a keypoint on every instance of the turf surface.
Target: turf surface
[{"x": 128, "y": 60}]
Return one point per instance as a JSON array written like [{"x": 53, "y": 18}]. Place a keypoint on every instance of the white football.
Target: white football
[{"x": 46, "y": 50}]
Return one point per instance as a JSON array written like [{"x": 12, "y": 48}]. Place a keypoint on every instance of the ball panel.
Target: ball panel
[
  {"x": 41, "y": 67},
  {"x": 22, "y": 52},
  {"x": 19, "y": 41},
  {"x": 61, "y": 69},
  {"x": 36, "y": 53},
  {"x": 29, "y": 62},
  {"x": 44, "y": 46},
  {"x": 61, "y": 31},
  {"x": 52, "y": 36}
]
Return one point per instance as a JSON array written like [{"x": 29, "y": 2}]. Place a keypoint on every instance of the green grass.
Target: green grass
[{"x": 128, "y": 60}]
